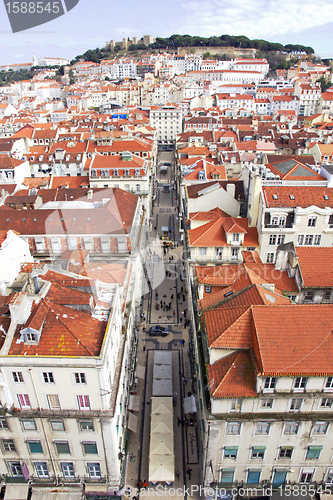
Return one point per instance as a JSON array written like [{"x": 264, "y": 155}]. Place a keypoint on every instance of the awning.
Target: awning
[
  {"x": 165, "y": 229},
  {"x": 134, "y": 403},
  {"x": 16, "y": 492},
  {"x": 98, "y": 489},
  {"x": 53, "y": 495},
  {"x": 161, "y": 406},
  {"x": 161, "y": 423},
  {"x": 132, "y": 422},
  {"x": 162, "y": 358},
  {"x": 161, "y": 468},
  {"x": 161, "y": 444},
  {"x": 162, "y": 371},
  {"x": 162, "y": 387},
  {"x": 190, "y": 405},
  {"x": 140, "y": 371}
]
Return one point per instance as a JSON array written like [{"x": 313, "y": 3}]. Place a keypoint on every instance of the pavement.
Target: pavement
[{"x": 167, "y": 274}]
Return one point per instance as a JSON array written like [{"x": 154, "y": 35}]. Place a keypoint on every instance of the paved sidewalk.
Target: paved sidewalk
[{"x": 166, "y": 270}]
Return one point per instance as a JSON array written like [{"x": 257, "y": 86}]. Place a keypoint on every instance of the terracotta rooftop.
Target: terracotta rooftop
[
  {"x": 316, "y": 266},
  {"x": 304, "y": 196},
  {"x": 232, "y": 376},
  {"x": 295, "y": 339},
  {"x": 64, "y": 332}
]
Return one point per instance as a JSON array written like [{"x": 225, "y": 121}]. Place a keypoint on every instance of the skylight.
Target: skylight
[{"x": 275, "y": 196}]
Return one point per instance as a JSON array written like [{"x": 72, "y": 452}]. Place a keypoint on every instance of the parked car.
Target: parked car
[{"x": 158, "y": 331}]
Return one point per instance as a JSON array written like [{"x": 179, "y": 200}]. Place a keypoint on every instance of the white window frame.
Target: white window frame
[
  {"x": 80, "y": 378},
  {"x": 41, "y": 469},
  {"x": 67, "y": 469},
  {"x": 231, "y": 427},
  {"x": 271, "y": 383},
  {"x": 291, "y": 426},
  {"x": 24, "y": 401},
  {"x": 262, "y": 428},
  {"x": 83, "y": 402},
  {"x": 300, "y": 384}
]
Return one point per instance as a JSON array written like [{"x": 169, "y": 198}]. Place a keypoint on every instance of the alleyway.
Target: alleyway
[{"x": 169, "y": 286}]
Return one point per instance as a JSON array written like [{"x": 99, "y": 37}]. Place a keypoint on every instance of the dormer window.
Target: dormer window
[
  {"x": 235, "y": 236},
  {"x": 126, "y": 171},
  {"x": 40, "y": 158},
  {"x": 115, "y": 172},
  {"x": 137, "y": 172},
  {"x": 31, "y": 337},
  {"x": 94, "y": 173},
  {"x": 50, "y": 158}
]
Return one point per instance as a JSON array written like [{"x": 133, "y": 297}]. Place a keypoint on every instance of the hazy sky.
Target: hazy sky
[{"x": 91, "y": 23}]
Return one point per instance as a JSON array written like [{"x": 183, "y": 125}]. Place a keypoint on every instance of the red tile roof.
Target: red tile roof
[
  {"x": 294, "y": 340},
  {"x": 316, "y": 266},
  {"x": 65, "y": 332},
  {"x": 232, "y": 377},
  {"x": 304, "y": 196}
]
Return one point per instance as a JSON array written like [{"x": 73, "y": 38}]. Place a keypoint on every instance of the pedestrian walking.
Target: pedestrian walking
[
  {"x": 174, "y": 313},
  {"x": 183, "y": 297},
  {"x": 145, "y": 484},
  {"x": 189, "y": 472},
  {"x": 183, "y": 341},
  {"x": 181, "y": 289},
  {"x": 144, "y": 348},
  {"x": 177, "y": 473},
  {"x": 169, "y": 305},
  {"x": 171, "y": 296},
  {"x": 169, "y": 260},
  {"x": 179, "y": 421},
  {"x": 161, "y": 303}
]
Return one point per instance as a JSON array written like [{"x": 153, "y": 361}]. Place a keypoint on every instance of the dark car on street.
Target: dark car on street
[{"x": 158, "y": 331}]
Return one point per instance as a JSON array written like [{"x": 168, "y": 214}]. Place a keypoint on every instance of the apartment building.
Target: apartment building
[
  {"x": 64, "y": 383},
  {"x": 167, "y": 120},
  {"x": 269, "y": 386}
]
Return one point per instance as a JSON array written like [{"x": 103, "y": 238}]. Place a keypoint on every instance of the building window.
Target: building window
[
  {"x": 24, "y": 401},
  {"x": 208, "y": 288},
  {"x": 262, "y": 428},
  {"x": 329, "y": 384},
  {"x": 94, "y": 470},
  {"x": 296, "y": 404},
  {"x": 86, "y": 425},
  {"x": 282, "y": 222},
  {"x": 18, "y": 377},
  {"x": 48, "y": 377},
  {"x": 275, "y": 221},
  {"x": 62, "y": 447},
  {"x": 57, "y": 425},
  {"x": 312, "y": 220},
  {"x": 235, "y": 237},
  {"x": 253, "y": 476},
  {"x": 8, "y": 445},
  {"x": 285, "y": 452},
  {"x": 230, "y": 452},
  {"x": 291, "y": 428},
  {"x": 320, "y": 428},
  {"x": 3, "y": 423},
  {"x": 53, "y": 401},
  {"x": 89, "y": 448},
  {"x": 329, "y": 477},
  {"x": 300, "y": 384},
  {"x": 308, "y": 239},
  {"x": 41, "y": 469},
  {"x": 326, "y": 402},
  {"x": 234, "y": 253},
  {"x": 280, "y": 239},
  {"x": 84, "y": 402},
  {"x": 80, "y": 378},
  {"x": 317, "y": 239},
  {"x": 269, "y": 384},
  {"x": 313, "y": 452},
  {"x": 202, "y": 251},
  {"x": 266, "y": 403},
  {"x": 300, "y": 239},
  {"x": 29, "y": 424},
  {"x": 309, "y": 295},
  {"x": 227, "y": 475},
  {"x": 272, "y": 239},
  {"x": 35, "y": 446},
  {"x": 15, "y": 469},
  {"x": 233, "y": 428},
  {"x": 67, "y": 470},
  {"x": 270, "y": 257},
  {"x": 258, "y": 452},
  {"x": 236, "y": 404},
  {"x": 327, "y": 295}
]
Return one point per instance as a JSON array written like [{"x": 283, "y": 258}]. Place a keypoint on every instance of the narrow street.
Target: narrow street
[{"x": 166, "y": 305}]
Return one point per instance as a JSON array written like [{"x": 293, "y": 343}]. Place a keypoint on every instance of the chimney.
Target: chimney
[{"x": 19, "y": 308}]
